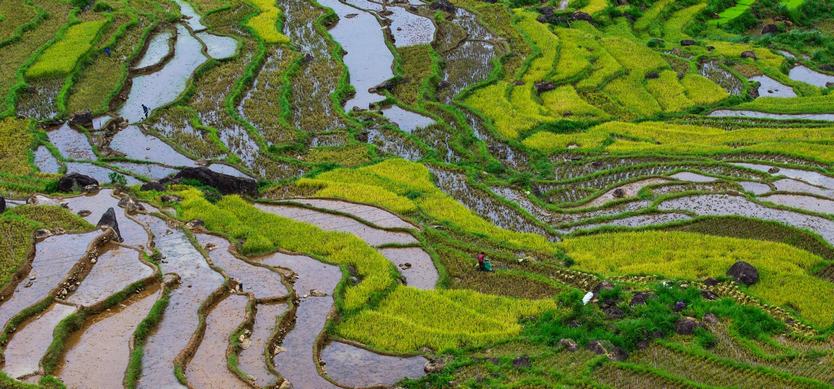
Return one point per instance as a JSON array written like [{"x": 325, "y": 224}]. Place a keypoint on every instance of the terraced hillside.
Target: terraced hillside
[{"x": 297, "y": 194}]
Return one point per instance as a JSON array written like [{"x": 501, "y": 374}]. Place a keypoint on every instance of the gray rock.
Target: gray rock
[
  {"x": 743, "y": 273},
  {"x": 74, "y": 182},
  {"x": 109, "y": 220}
]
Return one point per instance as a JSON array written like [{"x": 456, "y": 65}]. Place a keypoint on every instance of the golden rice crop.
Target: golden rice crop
[{"x": 60, "y": 58}]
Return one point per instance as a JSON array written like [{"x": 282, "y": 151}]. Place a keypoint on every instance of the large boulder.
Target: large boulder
[
  {"x": 74, "y": 182},
  {"x": 153, "y": 185},
  {"x": 443, "y": 5},
  {"x": 604, "y": 347},
  {"x": 770, "y": 29},
  {"x": 224, "y": 183},
  {"x": 744, "y": 273},
  {"x": 688, "y": 42},
  {"x": 2, "y": 204},
  {"x": 640, "y": 298},
  {"x": 748, "y": 54},
  {"x": 109, "y": 220},
  {"x": 582, "y": 16},
  {"x": 82, "y": 119},
  {"x": 686, "y": 325}
]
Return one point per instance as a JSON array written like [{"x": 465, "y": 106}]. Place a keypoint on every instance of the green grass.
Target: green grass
[
  {"x": 785, "y": 272},
  {"x": 730, "y": 14},
  {"x": 266, "y": 23},
  {"x": 60, "y": 58}
]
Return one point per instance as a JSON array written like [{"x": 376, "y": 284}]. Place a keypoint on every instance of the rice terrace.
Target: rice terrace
[{"x": 416, "y": 194}]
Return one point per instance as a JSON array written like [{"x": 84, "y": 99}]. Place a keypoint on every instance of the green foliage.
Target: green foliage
[{"x": 642, "y": 322}]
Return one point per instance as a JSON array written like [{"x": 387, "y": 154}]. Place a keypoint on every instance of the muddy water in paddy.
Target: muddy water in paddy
[
  {"x": 208, "y": 368},
  {"x": 71, "y": 143},
  {"x": 101, "y": 174},
  {"x": 468, "y": 61},
  {"x": 164, "y": 86},
  {"x": 226, "y": 169},
  {"x": 790, "y": 185},
  {"x": 392, "y": 142},
  {"x": 135, "y": 144},
  {"x": 191, "y": 16},
  {"x": 158, "y": 48},
  {"x": 150, "y": 170},
  {"x": 808, "y": 76},
  {"x": 105, "y": 341},
  {"x": 29, "y": 343},
  {"x": 263, "y": 283},
  {"x": 114, "y": 270},
  {"x": 406, "y": 120},
  {"x": 368, "y": 59},
  {"x": 218, "y": 46},
  {"x": 352, "y": 366},
  {"x": 409, "y": 29},
  {"x": 810, "y": 177},
  {"x": 693, "y": 177},
  {"x": 627, "y": 190},
  {"x": 719, "y": 75},
  {"x": 330, "y": 222},
  {"x": 54, "y": 258},
  {"x": 722, "y": 205},
  {"x": 180, "y": 319},
  {"x": 39, "y": 99},
  {"x": 776, "y": 116},
  {"x": 133, "y": 233},
  {"x": 45, "y": 161},
  {"x": 318, "y": 75},
  {"x": 808, "y": 203},
  {"x": 415, "y": 265},
  {"x": 252, "y": 359},
  {"x": 297, "y": 363},
  {"x": 370, "y": 214},
  {"x": 769, "y": 87},
  {"x": 454, "y": 184},
  {"x": 756, "y": 188},
  {"x": 631, "y": 222}
]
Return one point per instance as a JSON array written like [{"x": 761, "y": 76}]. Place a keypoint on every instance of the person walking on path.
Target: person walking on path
[{"x": 146, "y": 110}]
